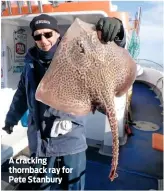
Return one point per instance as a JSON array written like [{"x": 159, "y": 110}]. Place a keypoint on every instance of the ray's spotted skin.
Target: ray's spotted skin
[{"x": 81, "y": 79}]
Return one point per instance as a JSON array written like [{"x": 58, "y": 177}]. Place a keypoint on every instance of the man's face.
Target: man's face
[{"x": 45, "y": 38}]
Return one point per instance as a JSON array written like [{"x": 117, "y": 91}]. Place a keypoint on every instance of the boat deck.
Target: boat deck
[{"x": 140, "y": 166}]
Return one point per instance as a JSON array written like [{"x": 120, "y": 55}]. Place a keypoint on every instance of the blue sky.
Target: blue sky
[{"x": 152, "y": 27}]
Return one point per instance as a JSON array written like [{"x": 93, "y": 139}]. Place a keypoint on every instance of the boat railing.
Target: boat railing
[
  {"x": 20, "y": 4},
  {"x": 158, "y": 81},
  {"x": 149, "y": 64}
]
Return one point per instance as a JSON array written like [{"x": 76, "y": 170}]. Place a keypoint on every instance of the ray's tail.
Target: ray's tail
[{"x": 111, "y": 114}]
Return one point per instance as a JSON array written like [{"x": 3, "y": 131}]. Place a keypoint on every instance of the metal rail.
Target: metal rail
[
  {"x": 8, "y": 5},
  {"x": 139, "y": 60}
]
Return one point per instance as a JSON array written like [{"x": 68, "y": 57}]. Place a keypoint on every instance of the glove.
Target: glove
[
  {"x": 110, "y": 28},
  {"x": 8, "y": 128}
]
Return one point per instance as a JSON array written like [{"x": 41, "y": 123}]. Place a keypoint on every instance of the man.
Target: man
[{"x": 54, "y": 134}]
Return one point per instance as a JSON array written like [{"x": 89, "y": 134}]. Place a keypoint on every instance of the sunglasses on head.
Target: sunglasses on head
[{"x": 47, "y": 35}]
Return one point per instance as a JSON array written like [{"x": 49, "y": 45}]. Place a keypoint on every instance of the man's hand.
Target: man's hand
[
  {"x": 109, "y": 29},
  {"x": 8, "y": 128}
]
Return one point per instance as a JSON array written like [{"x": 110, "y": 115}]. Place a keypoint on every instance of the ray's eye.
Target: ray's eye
[{"x": 80, "y": 43}]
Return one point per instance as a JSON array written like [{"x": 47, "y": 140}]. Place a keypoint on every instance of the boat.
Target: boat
[{"x": 140, "y": 134}]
